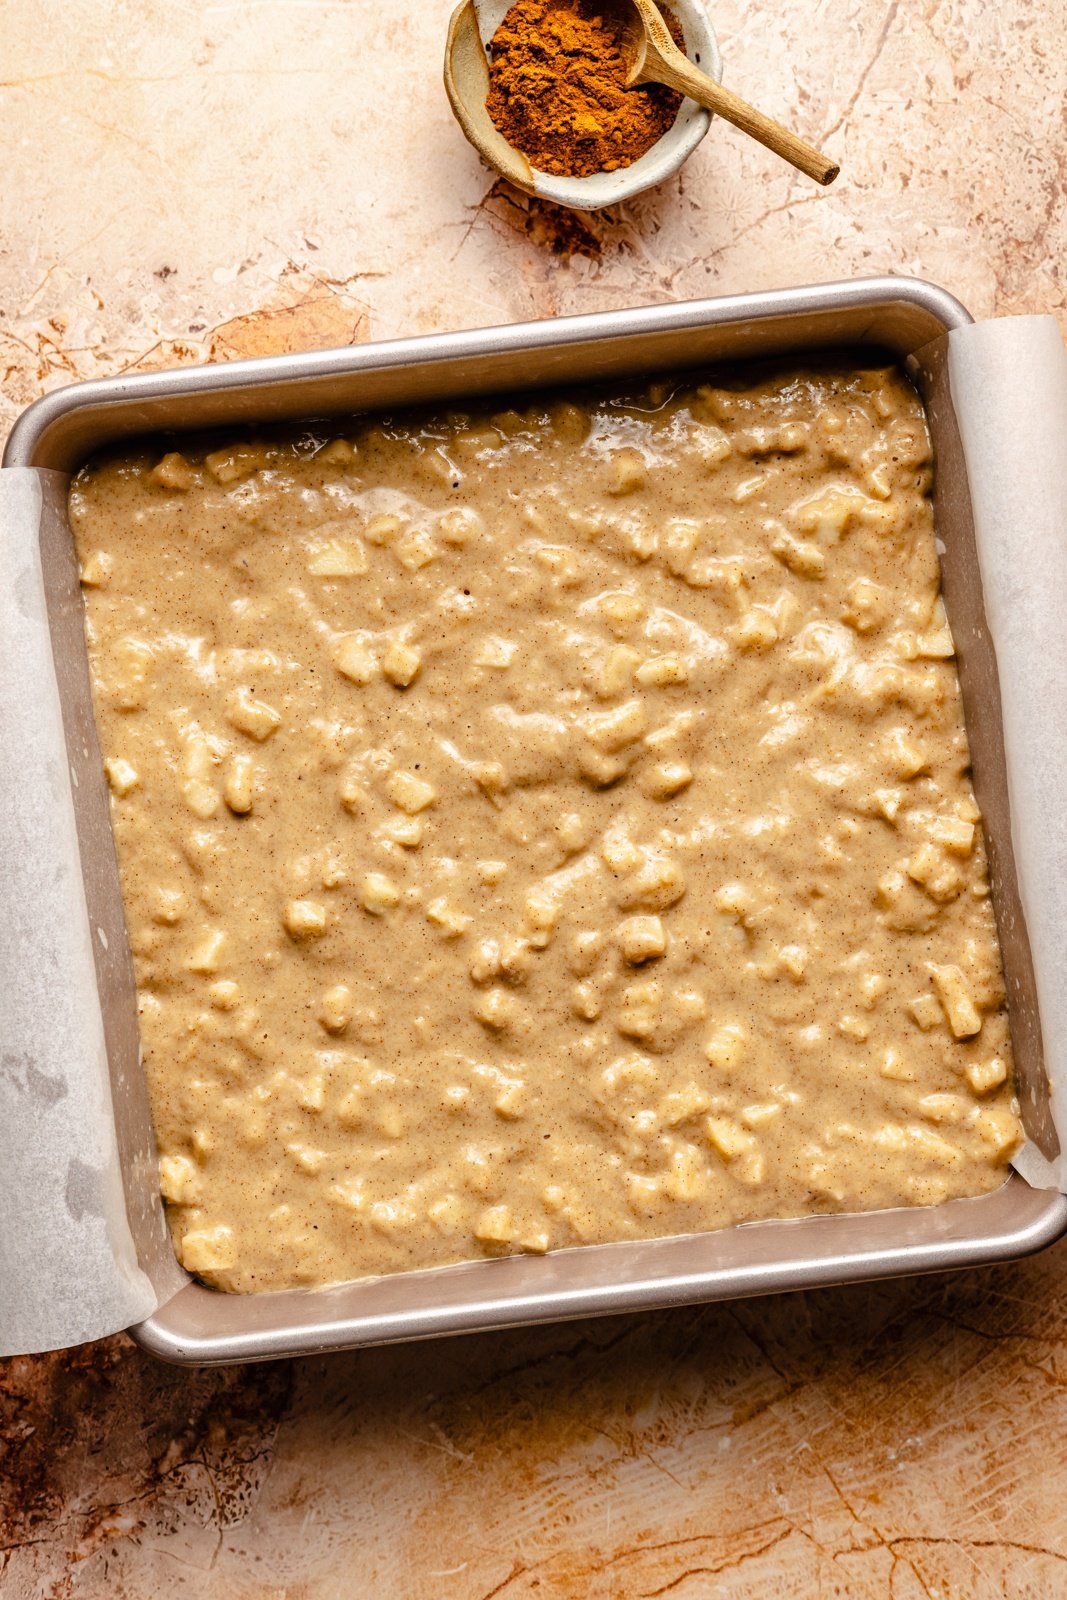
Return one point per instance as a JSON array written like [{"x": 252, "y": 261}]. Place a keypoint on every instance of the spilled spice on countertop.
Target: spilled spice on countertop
[{"x": 557, "y": 88}]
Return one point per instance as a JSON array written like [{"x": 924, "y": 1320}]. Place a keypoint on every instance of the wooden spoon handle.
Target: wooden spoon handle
[{"x": 679, "y": 73}]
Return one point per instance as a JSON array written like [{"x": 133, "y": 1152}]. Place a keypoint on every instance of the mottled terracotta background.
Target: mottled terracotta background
[{"x": 198, "y": 180}]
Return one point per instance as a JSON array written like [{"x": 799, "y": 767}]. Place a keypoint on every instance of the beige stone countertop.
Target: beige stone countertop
[{"x": 200, "y": 180}]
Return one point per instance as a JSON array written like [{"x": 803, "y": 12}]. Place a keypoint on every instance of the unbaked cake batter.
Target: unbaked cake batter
[{"x": 545, "y": 825}]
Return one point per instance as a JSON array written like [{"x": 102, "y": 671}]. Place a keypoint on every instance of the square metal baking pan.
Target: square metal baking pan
[{"x": 901, "y": 317}]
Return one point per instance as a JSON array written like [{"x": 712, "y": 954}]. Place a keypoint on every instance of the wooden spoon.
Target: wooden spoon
[{"x": 654, "y": 57}]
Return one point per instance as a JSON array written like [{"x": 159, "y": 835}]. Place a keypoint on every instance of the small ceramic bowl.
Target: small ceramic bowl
[{"x": 467, "y": 83}]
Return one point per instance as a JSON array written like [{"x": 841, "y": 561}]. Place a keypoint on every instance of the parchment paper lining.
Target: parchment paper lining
[
  {"x": 69, "y": 1266},
  {"x": 1008, "y": 385}
]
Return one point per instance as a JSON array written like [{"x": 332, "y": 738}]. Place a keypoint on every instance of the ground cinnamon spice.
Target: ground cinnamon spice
[{"x": 557, "y": 88}]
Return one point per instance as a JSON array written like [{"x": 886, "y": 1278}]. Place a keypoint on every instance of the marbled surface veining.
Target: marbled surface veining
[{"x": 184, "y": 182}]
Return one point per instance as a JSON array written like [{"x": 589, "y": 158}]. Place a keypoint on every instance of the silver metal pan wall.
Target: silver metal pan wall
[{"x": 903, "y": 317}]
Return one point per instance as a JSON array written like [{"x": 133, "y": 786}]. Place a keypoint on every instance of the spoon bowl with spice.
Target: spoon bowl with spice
[{"x": 540, "y": 89}]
